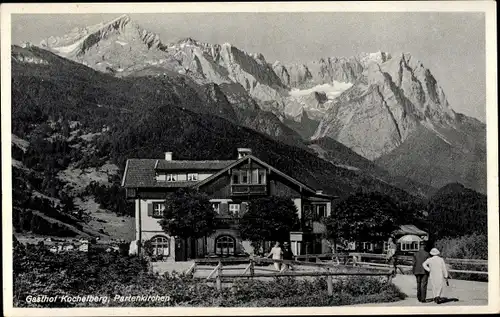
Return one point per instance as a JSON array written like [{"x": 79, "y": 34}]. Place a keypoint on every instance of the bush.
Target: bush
[{"x": 473, "y": 246}]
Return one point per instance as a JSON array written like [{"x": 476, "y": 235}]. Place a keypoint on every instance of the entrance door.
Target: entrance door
[
  {"x": 192, "y": 248},
  {"x": 180, "y": 250},
  {"x": 225, "y": 246}
]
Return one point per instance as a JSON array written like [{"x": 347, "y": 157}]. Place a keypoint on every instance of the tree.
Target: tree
[
  {"x": 363, "y": 217},
  {"x": 454, "y": 211},
  {"x": 188, "y": 214},
  {"x": 269, "y": 219}
]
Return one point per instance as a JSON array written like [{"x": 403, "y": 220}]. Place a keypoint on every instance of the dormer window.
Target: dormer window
[
  {"x": 171, "y": 178},
  {"x": 192, "y": 176}
]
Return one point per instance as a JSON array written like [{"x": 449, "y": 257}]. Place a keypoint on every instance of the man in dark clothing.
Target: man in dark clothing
[
  {"x": 420, "y": 273},
  {"x": 287, "y": 255}
]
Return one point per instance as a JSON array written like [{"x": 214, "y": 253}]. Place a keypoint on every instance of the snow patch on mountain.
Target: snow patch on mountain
[
  {"x": 331, "y": 90},
  {"x": 68, "y": 49}
]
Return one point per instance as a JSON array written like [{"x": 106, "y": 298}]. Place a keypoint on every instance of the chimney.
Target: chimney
[
  {"x": 242, "y": 152},
  {"x": 168, "y": 156}
]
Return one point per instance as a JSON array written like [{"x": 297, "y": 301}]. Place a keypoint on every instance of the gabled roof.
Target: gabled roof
[
  {"x": 164, "y": 165},
  {"x": 141, "y": 173},
  {"x": 410, "y": 229},
  {"x": 253, "y": 158}
]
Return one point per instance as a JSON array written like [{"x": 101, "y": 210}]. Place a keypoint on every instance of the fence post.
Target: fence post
[
  {"x": 252, "y": 268},
  {"x": 329, "y": 283},
  {"x": 389, "y": 278},
  {"x": 218, "y": 283}
]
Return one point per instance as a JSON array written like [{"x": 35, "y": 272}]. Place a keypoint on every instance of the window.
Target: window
[
  {"x": 236, "y": 177},
  {"x": 234, "y": 209},
  {"x": 216, "y": 207},
  {"x": 262, "y": 176},
  {"x": 131, "y": 192},
  {"x": 158, "y": 209},
  {"x": 255, "y": 176},
  {"x": 410, "y": 246},
  {"x": 171, "y": 177},
  {"x": 367, "y": 246},
  {"x": 192, "y": 177},
  {"x": 160, "y": 246},
  {"x": 225, "y": 245},
  {"x": 258, "y": 176},
  {"x": 320, "y": 211},
  {"x": 244, "y": 177}
]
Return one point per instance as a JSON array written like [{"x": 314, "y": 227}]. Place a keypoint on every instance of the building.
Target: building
[
  {"x": 408, "y": 239},
  {"x": 231, "y": 185}
]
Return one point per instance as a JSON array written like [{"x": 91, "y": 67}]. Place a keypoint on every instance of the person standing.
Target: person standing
[
  {"x": 287, "y": 255},
  {"x": 391, "y": 253},
  {"x": 420, "y": 273},
  {"x": 438, "y": 273},
  {"x": 276, "y": 254}
]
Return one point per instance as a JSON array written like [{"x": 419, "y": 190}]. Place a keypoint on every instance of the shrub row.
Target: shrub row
[
  {"x": 37, "y": 271},
  {"x": 473, "y": 246}
]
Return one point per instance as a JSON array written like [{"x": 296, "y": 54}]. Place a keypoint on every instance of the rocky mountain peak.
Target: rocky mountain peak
[
  {"x": 188, "y": 40},
  {"x": 377, "y": 57},
  {"x": 121, "y": 31}
]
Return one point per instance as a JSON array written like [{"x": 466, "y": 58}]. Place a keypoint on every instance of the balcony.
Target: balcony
[
  {"x": 227, "y": 222},
  {"x": 248, "y": 189}
]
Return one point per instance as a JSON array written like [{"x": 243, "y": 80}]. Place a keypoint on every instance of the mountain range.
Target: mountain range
[
  {"x": 104, "y": 93},
  {"x": 373, "y": 103}
]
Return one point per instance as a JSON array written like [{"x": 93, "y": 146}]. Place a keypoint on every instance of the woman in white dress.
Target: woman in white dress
[
  {"x": 438, "y": 273},
  {"x": 391, "y": 254},
  {"x": 277, "y": 254}
]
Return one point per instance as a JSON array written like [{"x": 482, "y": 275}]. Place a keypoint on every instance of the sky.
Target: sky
[{"x": 450, "y": 44}]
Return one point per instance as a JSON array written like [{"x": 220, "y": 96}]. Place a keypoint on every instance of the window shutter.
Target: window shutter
[
  {"x": 224, "y": 209},
  {"x": 150, "y": 210},
  {"x": 243, "y": 208}
]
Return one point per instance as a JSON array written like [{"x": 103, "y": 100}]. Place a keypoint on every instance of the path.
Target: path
[{"x": 469, "y": 293}]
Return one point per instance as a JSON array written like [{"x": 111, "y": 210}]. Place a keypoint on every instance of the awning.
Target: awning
[{"x": 409, "y": 238}]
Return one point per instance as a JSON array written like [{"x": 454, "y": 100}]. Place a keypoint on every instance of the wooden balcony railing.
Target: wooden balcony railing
[
  {"x": 226, "y": 222},
  {"x": 248, "y": 189}
]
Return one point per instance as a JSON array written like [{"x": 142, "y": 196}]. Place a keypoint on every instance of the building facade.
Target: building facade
[
  {"x": 408, "y": 239},
  {"x": 231, "y": 186}
]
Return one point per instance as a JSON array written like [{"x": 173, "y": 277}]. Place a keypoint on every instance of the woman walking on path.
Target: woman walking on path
[
  {"x": 277, "y": 254},
  {"x": 438, "y": 273},
  {"x": 391, "y": 253}
]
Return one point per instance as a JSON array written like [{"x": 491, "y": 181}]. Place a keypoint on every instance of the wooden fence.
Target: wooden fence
[
  {"x": 327, "y": 265},
  {"x": 371, "y": 259},
  {"x": 253, "y": 269}
]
